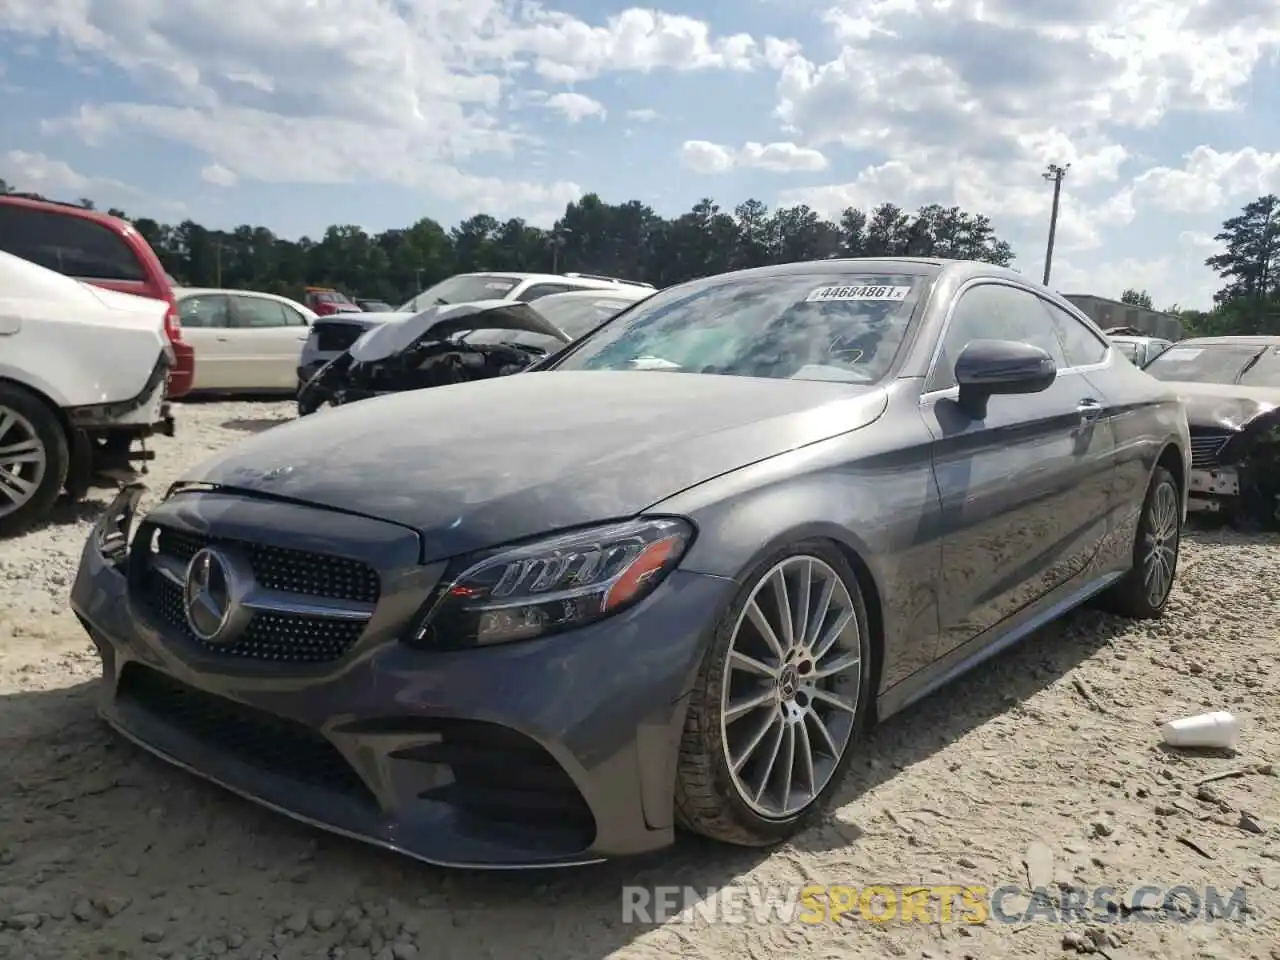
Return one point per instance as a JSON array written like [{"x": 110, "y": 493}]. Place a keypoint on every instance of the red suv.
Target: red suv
[{"x": 97, "y": 249}]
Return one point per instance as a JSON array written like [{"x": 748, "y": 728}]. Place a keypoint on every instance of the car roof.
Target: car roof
[
  {"x": 180, "y": 293},
  {"x": 612, "y": 292},
  {"x": 910, "y": 266},
  {"x": 582, "y": 281},
  {"x": 1250, "y": 340},
  {"x": 66, "y": 210}
]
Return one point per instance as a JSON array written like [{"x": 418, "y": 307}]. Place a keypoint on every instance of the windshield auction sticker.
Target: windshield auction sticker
[{"x": 831, "y": 294}]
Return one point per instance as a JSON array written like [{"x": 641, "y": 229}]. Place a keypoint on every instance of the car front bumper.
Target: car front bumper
[{"x": 550, "y": 752}]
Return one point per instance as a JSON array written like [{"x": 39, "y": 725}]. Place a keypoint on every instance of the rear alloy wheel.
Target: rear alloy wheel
[
  {"x": 778, "y": 703},
  {"x": 1144, "y": 592},
  {"x": 33, "y": 459}
]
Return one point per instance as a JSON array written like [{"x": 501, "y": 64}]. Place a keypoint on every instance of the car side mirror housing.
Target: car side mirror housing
[{"x": 987, "y": 368}]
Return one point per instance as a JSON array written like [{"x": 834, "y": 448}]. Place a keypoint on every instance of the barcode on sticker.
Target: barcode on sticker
[{"x": 825, "y": 294}]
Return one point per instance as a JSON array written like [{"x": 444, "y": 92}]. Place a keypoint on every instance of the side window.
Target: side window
[
  {"x": 993, "y": 311},
  {"x": 205, "y": 311},
  {"x": 544, "y": 290},
  {"x": 71, "y": 245},
  {"x": 292, "y": 317},
  {"x": 259, "y": 312},
  {"x": 1079, "y": 345}
]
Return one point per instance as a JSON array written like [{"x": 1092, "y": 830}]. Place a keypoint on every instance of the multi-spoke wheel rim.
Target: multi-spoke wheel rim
[
  {"x": 1161, "y": 544},
  {"x": 791, "y": 687},
  {"x": 22, "y": 461}
]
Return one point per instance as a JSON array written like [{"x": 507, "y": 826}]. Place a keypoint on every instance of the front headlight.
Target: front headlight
[{"x": 555, "y": 584}]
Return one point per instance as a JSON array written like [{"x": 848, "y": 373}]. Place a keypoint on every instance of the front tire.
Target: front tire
[
  {"x": 1144, "y": 592},
  {"x": 34, "y": 459},
  {"x": 779, "y": 701}
]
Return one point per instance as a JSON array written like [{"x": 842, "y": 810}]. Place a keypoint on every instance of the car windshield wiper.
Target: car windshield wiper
[{"x": 1253, "y": 362}]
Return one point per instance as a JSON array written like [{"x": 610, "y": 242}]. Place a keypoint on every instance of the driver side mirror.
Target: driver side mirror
[{"x": 987, "y": 368}]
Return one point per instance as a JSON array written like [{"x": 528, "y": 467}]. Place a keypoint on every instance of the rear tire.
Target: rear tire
[
  {"x": 794, "y": 745},
  {"x": 34, "y": 459},
  {"x": 1144, "y": 592}
]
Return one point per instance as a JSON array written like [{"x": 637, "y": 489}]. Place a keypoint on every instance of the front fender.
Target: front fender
[{"x": 882, "y": 509}]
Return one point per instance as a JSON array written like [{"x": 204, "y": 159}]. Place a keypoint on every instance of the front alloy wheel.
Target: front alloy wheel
[
  {"x": 1160, "y": 541},
  {"x": 779, "y": 701},
  {"x": 1144, "y": 591}
]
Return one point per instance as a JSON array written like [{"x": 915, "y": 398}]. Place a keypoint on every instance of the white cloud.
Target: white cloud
[
  {"x": 643, "y": 115},
  {"x": 1208, "y": 180},
  {"x": 37, "y": 173},
  {"x": 300, "y": 90},
  {"x": 576, "y": 107},
  {"x": 702, "y": 156},
  {"x": 219, "y": 175},
  {"x": 966, "y": 101}
]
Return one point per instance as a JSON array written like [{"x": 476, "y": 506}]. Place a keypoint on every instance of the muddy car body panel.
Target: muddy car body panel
[
  {"x": 387, "y": 620},
  {"x": 1231, "y": 389}
]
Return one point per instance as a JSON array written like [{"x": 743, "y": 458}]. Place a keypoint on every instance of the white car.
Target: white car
[
  {"x": 244, "y": 341},
  {"x": 82, "y": 383},
  {"x": 500, "y": 285}
]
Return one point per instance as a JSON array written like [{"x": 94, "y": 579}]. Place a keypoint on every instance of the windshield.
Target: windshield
[
  {"x": 461, "y": 289},
  {"x": 1217, "y": 363},
  {"x": 817, "y": 326},
  {"x": 1266, "y": 372}
]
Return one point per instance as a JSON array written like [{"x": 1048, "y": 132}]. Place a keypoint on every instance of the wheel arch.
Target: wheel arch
[
  {"x": 1171, "y": 459},
  {"x": 855, "y": 553}
]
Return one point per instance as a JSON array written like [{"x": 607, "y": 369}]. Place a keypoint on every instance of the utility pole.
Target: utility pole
[{"x": 1055, "y": 175}]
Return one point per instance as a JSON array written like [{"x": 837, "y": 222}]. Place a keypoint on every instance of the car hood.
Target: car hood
[
  {"x": 1225, "y": 406},
  {"x": 478, "y": 464},
  {"x": 438, "y": 323}
]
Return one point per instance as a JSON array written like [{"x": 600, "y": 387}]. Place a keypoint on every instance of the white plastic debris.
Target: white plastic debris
[{"x": 1218, "y": 730}]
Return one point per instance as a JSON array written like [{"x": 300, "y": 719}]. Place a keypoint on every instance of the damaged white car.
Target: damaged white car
[
  {"x": 1231, "y": 388},
  {"x": 82, "y": 385}
]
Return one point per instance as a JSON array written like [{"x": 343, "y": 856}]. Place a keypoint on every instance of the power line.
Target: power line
[{"x": 1054, "y": 175}]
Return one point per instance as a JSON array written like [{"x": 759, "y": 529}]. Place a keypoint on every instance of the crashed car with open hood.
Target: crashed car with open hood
[
  {"x": 457, "y": 343},
  {"x": 1231, "y": 388}
]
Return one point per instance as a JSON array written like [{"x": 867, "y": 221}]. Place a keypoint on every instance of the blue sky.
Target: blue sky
[{"x": 296, "y": 114}]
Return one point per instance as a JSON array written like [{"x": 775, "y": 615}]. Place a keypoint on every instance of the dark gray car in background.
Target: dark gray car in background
[{"x": 664, "y": 578}]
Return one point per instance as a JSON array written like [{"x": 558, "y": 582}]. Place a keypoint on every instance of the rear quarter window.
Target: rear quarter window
[{"x": 70, "y": 245}]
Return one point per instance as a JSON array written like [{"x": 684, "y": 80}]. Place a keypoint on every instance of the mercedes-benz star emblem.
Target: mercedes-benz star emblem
[{"x": 206, "y": 596}]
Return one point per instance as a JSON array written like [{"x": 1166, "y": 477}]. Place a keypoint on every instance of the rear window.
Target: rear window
[
  {"x": 461, "y": 289},
  {"x": 1206, "y": 363},
  {"x": 71, "y": 245},
  {"x": 836, "y": 326}
]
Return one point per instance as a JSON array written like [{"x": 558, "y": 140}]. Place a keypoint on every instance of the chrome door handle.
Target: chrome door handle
[
  {"x": 1089, "y": 409},
  {"x": 223, "y": 339}
]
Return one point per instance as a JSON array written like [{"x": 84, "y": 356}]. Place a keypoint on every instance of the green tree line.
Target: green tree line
[
  {"x": 631, "y": 241},
  {"x": 627, "y": 240}
]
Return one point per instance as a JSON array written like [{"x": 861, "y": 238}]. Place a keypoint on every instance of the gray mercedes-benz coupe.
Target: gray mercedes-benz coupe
[{"x": 664, "y": 577}]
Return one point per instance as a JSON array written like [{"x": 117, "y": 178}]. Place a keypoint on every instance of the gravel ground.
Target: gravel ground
[{"x": 105, "y": 852}]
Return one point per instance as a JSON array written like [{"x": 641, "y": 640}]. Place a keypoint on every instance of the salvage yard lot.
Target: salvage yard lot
[{"x": 107, "y": 852}]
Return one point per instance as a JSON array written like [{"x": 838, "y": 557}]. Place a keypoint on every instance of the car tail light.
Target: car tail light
[{"x": 173, "y": 323}]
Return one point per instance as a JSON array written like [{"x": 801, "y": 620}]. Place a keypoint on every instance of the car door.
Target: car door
[
  {"x": 1025, "y": 488},
  {"x": 206, "y": 325},
  {"x": 269, "y": 337}
]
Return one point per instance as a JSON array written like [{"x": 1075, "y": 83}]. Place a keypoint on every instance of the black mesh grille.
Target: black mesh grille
[
  {"x": 336, "y": 337},
  {"x": 271, "y": 743},
  {"x": 269, "y": 636},
  {"x": 297, "y": 571},
  {"x": 293, "y": 638}
]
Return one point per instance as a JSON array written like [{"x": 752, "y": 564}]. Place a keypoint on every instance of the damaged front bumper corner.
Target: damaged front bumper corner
[{"x": 1236, "y": 472}]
